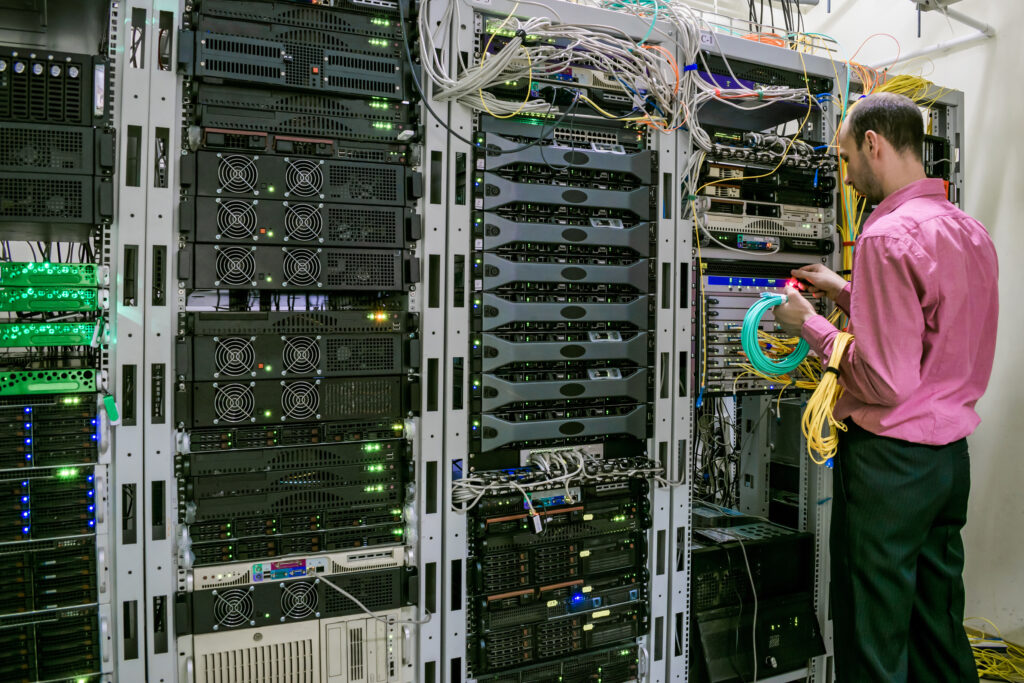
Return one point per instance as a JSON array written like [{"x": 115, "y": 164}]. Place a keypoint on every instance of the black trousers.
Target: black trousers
[{"x": 897, "y": 561}]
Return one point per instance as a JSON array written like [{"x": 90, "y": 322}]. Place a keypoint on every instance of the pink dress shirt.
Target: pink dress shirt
[{"x": 923, "y": 306}]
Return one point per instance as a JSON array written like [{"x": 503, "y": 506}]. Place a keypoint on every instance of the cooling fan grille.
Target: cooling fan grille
[
  {"x": 236, "y": 219},
  {"x": 300, "y": 400},
  {"x": 299, "y": 600},
  {"x": 233, "y": 607},
  {"x": 234, "y": 402},
  {"x": 303, "y": 222},
  {"x": 304, "y": 178},
  {"x": 234, "y": 356},
  {"x": 301, "y": 267},
  {"x": 301, "y": 355},
  {"x": 238, "y": 173},
  {"x": 235, "y": 266}
]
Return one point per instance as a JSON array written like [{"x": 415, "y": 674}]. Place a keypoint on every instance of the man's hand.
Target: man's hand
[
  {"x": 823, "y": 280},
  {"x": 794, "y": 313}
]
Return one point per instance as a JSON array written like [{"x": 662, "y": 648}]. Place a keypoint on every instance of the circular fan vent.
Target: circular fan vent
[
  {"x": 301, "y": 355},
  {"x": 238, "y": 173},
  {"x": 301, "y": 267},
  {"x": 234, "y": 356},
  {"x": 298, "y": 600},
  {"x": 300, "y": 400},
  {"x": 236, "y": 219},
  {"x": 233, "y": 607},
  {"x": 303, "y": 222},
  {"x": 235, "y": 266},
  {"x": 233, "y": 402},
  {"x": 304, "y": 178}
]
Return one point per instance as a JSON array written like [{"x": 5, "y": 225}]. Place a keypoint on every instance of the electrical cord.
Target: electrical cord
[
  {"x": 387, "y": 620},
  {"x": 820, "y": 428}
]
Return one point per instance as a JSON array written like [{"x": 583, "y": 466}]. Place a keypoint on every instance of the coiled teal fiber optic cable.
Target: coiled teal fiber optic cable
[{"x": 748, "y": 338}]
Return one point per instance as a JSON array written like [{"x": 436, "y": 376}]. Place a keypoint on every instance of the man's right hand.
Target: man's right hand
[{"x": 821, "y": 279}]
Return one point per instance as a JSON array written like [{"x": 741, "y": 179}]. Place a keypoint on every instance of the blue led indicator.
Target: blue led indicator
[
  {"x": 28, "y": 425},
  {"x": 577, "y": 598},
  {"x": 24, "y": 529},
  {"x": 24, "y": 515}
]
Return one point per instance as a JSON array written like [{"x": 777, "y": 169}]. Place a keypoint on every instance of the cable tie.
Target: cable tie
[
  {"x": 690, "y": 67},
  {"x": 691, "y": 197},
  {"x": 760, "y": 94},
  {"x": 849, "y": 244},
  {"x": 834, "y": 371}
]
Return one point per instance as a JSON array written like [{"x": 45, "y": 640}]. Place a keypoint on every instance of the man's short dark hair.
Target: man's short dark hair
[{"x": 895, "y": 117}]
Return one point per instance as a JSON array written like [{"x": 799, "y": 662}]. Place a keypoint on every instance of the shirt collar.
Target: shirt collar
[{"x": 926, "y": 187}]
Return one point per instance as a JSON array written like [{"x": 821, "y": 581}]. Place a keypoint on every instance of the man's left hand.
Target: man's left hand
[{"x": 794, "y": 313}]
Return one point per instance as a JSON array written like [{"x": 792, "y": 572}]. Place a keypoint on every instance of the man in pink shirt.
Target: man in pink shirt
[{"x": 923, "y": 308}]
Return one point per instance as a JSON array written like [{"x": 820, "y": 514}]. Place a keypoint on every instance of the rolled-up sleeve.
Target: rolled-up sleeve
[{"x": 882, "y": 365}]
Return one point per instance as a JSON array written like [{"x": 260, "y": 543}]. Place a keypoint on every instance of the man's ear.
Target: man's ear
[{"x": 872, "y": 142}]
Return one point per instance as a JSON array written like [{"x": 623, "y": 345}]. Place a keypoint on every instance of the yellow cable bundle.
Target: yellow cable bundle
[{"x": 822, "y": 403}]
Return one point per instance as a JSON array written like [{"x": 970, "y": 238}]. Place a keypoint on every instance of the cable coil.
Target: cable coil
[{"x": 752, "y": 348}]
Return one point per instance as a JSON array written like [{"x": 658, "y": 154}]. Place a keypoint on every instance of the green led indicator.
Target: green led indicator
[
  {"x": 378, "y": 42},
  {"x": 67, "y": 473},
  {"x": 383, "y": 125},
  {"x": 380, "y": 21},
  {"x": 266, "y": 413}
]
